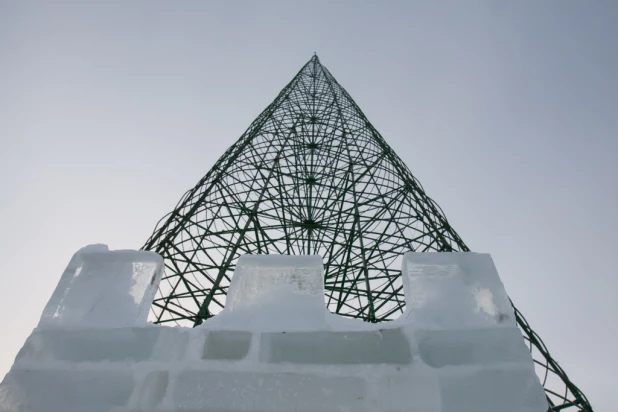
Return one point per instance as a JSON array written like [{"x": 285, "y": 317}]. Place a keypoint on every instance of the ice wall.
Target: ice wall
[{"x": 275, "y": 347}]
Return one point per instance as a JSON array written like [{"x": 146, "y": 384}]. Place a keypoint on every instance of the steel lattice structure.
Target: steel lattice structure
[{"x": 311, "y": 175}]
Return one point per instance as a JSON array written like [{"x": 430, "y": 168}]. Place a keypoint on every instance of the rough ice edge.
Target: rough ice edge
[{"x": 141, "y": 290}]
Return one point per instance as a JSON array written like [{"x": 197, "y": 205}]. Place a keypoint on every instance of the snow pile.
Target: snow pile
[{"x": 275, "y": 347}]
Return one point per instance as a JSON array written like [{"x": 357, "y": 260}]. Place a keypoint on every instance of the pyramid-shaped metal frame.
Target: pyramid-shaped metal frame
[{"x": 311, "y": 175}]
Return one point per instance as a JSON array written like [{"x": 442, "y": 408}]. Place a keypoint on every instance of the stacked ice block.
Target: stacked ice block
[{"x": 275, "y": 347}]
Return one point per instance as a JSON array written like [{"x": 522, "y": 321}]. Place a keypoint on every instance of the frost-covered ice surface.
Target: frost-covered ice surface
[
  {"x": 102, "y": 288},
  {"x": 274, "y": 292},
  {"x": 275, "y": 347},
  {"x": 454, "y": 291}
]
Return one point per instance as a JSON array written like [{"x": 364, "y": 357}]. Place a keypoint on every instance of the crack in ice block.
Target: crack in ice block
[
  {"x": 102, "y": 288},
  {"x": 454, "y": 291},
  {"x": 387, "y": 346}
]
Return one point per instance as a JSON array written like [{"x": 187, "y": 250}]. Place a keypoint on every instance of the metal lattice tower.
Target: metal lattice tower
[{"x": 311, "y": 175}]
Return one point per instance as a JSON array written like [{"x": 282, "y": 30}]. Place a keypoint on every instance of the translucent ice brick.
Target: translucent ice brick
[
  {"x": 454, "y": 290},
  {"x": 103, "y": 288}
]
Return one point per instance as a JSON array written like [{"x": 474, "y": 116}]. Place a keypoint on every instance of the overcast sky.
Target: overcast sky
[{"x": 507, "y": 112}]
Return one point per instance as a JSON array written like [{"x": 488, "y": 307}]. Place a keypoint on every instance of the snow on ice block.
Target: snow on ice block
[
  {"x": 65, "y": 390},
  {"x": 387, "y": 346},
  {"x": 102, "y": 288},
  {"x": 503, "y": 388},
  {"x": 232, "y": 391},
  {"x": 275, "y": 292},
  {"x": 455, "y": 290},
  {"x": 472, "y": 347}
]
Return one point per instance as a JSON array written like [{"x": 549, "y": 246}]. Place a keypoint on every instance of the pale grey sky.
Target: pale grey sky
[{"x": 507, "y": 112}]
